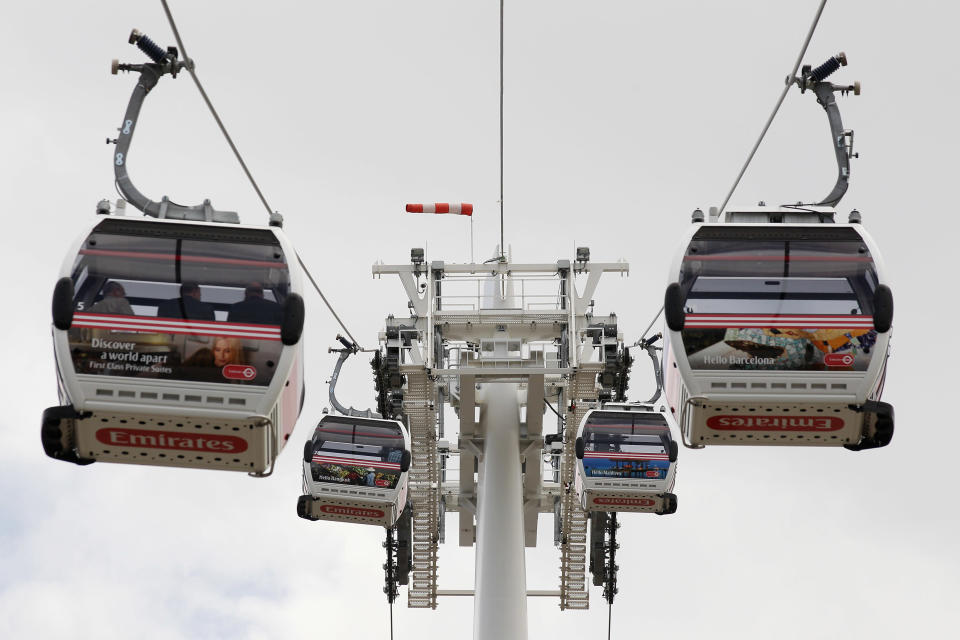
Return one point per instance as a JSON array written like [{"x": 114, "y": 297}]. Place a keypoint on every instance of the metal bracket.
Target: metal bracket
[
  {"x": 272, "y": 441},
  {"x": 150, "y": 74},
  {"x": 815, "y": 80}
]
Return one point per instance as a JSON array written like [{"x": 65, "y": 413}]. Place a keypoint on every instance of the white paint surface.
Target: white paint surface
[{"x": 621, "y": 118}]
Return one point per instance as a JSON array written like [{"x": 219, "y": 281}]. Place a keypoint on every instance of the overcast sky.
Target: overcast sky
[{"x": 621, "y": 118}]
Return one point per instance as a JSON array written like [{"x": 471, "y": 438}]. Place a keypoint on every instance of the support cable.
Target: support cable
[
  {"x": 649, "y": 326},
  {"x": 193, "y": 74},
  {"x": 547, "y": 402},
  {"x": 327, "y": 302},
  {"x": 610, "y": 567},
  {"x": 390, "y": 574},
  {"x": 609, "y": 619},
  {"x": 190, "y": 67},
  {"x": 776, "y": 108},
  {"x": 502, "y": 250}
]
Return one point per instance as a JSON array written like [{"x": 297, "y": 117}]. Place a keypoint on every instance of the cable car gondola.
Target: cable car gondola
[
  {"x": 627, "y": 459},
  {"x": 355, "y": 470},
  {"x": 779, "y": 321},
  {"x": 177, "y": 338}
]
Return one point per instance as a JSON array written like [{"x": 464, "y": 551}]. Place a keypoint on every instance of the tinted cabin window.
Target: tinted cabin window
[
  {"x": 357, "y": 453},
  {"x": 185, "y": 302},
  {"x": 627, "y": 431},
  {"x": 795, "y": 271},
  {"x": 778, "y": 298}
]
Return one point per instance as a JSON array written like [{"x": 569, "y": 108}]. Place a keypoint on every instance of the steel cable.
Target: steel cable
[
  {"x": 326, "y": 302},
  {"x": 649, "y": 326},
  {"x": 776, "y": 108},
  {"x": 502, "y": 249},
  {"x": 189, "y": 66}
]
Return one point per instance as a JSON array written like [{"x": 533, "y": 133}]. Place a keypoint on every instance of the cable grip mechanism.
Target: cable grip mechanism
[
  {"x": 162, "y": 62},
  {"x": 842, "y": 139},
  {"x": 154, "y": 51}
]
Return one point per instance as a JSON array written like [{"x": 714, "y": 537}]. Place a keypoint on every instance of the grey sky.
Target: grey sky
[{"x": 621, "y": 118}]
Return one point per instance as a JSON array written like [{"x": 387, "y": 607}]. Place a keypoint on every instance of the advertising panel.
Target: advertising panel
[
  {"x": 173, "y": 349},
  {"x": 368, "y": 472},
  {"x": 779, "y": 343},
  {"x": 599, "y": 465}
]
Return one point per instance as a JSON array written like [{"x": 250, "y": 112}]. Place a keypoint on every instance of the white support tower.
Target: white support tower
[{"x": 498, "y": 341}]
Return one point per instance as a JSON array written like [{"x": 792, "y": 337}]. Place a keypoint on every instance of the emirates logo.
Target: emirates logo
[
  {"x": 145, "y": 439},
  {"x": 355, "y": 512},
  {"x": 625, "y": 502},
  {"x": 775, "y": 423}
]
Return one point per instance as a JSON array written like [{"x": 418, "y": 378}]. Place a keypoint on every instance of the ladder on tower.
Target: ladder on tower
[
  {"x": 573, "y": 519},
  {"x": 424, "y": 484}
]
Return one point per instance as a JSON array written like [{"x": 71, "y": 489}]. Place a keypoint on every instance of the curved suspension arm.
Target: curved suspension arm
[
  {"x": 648, "y": 346},
  {"x": 344, "y": 354},
  {"x": 163, "y": 62},
  {"x": 814, "y": 79}
]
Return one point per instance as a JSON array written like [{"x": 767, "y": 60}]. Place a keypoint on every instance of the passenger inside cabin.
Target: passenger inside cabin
[
  {"x": 114, "y": 301},
  {"x": 188, "y": 306},
  {"x": 254, "y": 308}
]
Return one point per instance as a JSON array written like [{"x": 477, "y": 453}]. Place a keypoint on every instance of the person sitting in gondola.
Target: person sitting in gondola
[
  {"x": 254, "y": 308},
  {"x": 113, "y": 301},
  {"x": 187, "y": 306}
]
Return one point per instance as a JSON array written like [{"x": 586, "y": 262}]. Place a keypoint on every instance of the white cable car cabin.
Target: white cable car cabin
[
  {"x": 176, "y": 337},
  {"x": 355, "y": 470},
  {"x": 627, "y": 459},
  {"x": 177, "y": 344},
  {"x": 779, "y": 324}
]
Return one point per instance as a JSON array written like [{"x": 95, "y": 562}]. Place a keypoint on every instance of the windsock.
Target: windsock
[{"x": 457, "y": 208}]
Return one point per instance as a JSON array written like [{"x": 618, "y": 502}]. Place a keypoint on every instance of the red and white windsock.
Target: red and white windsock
[{"x": 457, "y": 208}]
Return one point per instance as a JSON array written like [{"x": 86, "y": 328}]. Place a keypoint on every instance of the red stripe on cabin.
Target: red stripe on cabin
[
  {"x": 173, "y": 321},
  {"x": 776, "y": 258},
  {"x": 627, "y": 456},
  {"x": 600, "y": 427},
  {"x": 144, "y": 255},
  {"x": 785, "y": 321},
  {"x": 138, "y": 324},
  {"x": 359, "y": 462},
  {"x": 350, "y": 433}
]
